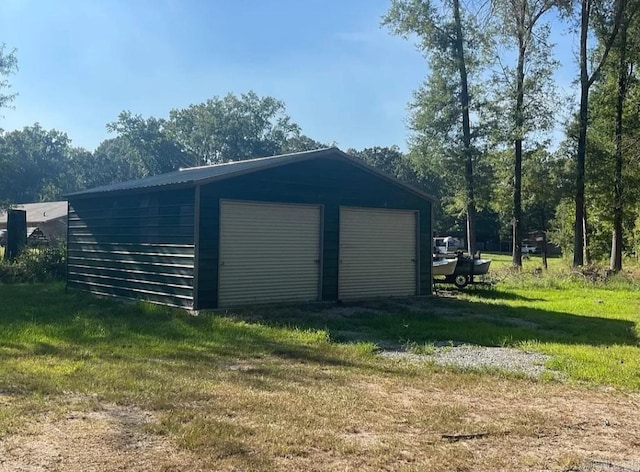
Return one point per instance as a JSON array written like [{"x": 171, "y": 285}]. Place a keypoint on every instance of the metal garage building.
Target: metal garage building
[{"x": 317, "y": 225}]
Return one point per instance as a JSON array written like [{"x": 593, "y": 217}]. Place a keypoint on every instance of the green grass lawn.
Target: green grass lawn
[
  {"x": 277, "y": 381},
  {"x": 53, "y": 340}
]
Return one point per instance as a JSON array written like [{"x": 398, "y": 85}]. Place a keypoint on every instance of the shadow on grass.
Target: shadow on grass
[
  {"x": 45, "y": 320},
  {"x": 397, "y": 322},
  {"x": 489, "y": 294}
]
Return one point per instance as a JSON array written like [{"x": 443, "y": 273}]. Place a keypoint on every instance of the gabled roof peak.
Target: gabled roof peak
[
  {"x": 262, "y": 159},
  {"x": 211, "y": 173}
]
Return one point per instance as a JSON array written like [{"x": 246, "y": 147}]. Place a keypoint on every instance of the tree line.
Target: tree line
[
  {"x": 37, "y": 164},
  {"x": 481, "y": 128},
  {"x": 483, "y": 119}
]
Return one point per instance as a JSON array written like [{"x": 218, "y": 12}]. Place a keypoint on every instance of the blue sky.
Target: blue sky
[{"x": 343, "y": 78}]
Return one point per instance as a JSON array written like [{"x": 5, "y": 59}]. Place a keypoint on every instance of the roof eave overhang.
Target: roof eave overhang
[{"x": 130, "y": 191}]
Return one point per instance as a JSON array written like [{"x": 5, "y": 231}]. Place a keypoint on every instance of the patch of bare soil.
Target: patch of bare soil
[
  {"x": 535, "y": 426},
  {"x": 445, "y": 425},
  {"x": 113, "y": 438}
]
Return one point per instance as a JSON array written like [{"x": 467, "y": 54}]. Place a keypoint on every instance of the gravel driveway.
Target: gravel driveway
[{"x": 480, "y": 357}]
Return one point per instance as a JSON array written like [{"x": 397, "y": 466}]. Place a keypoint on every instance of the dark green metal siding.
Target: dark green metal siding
[
  {"x": 330, "y": 182},
  {"x": 134, "y": 246}
]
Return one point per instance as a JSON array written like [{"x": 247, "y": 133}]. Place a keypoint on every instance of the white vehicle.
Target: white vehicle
[
  {"x": 528, "y": 248},
  {"x": 447, "y": 245}
]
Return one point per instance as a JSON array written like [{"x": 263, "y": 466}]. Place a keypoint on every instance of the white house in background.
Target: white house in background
[{"x": 48, "y": 219}]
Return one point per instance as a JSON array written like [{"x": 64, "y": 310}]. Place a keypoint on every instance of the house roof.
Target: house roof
[
  {"x": 38, "y": 212},
  {"x": 212, "y": 173}
]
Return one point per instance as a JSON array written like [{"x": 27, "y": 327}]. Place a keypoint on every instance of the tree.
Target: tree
[
  {"x": 36, "y": 165},
  {"x": 604, "y": 16},
  {"x": 442, "y": 108},
  {"x": 386, "y": 159},
  {"x": 626, "y": 62},
  {"x": 230, "y": 128},
  {"x": 216, "y": 131},
  {"x": 612, "y": 161},
  {"x": 113, "y": 161},
  {"x": 393, "y": 162},
  {"x": 150, "y": 141},
  {"x": 526, "y": 105},
  {"x": 300, "y": 143},
  {"x": 8, "y": 65},
  {"x": 539, "y": 202}
]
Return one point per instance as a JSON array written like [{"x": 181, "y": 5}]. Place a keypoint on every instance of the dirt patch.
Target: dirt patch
[
  {"x": 346, "y": 311},
  {"x": 528, "y": 426},
  {"x": 113, "y": 438}
]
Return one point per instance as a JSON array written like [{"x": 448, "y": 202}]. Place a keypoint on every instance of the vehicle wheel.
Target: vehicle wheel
[{"x": 461, "y": 281}]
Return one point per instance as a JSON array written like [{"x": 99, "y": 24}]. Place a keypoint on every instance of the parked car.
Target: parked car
[{"x": 528, "y": 248}]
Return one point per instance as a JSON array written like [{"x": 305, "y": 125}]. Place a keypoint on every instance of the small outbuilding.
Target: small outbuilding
[
  {"x": 46, "y": 221},
  {"x": 317, "y": 225}
]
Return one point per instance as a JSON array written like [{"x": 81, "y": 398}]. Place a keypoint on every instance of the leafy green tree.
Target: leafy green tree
[
  {"x": 393, "y": 162},
  {"x": 113, "y": 161},
  {"x": 613, "y": 164},
  {"x": 389, "y": 160},
  {"x": 36, "y": 165},
  {"x": 8, "y": 65},
  {"x": 539, "y": 202},
  {"x": 230, "y": 128},
  {"x": 627, "y": 58},
  {"x": 151, "y": 143},
  {"x": 561, "y": 226},
  {"x": 605, "y": 17},
  {"x": 452, "y": 43},
  {"x": 524, "y": 93},
  {"x": 218, "y": 130},
  {"x": 300, "y": 143}
]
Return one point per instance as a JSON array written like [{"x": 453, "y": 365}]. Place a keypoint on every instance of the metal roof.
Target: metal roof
[
  {"x": 38, "y": 212},
  {"x": 212, "y": 173}
]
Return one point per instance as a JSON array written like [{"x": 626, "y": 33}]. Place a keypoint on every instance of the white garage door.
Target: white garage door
[
  {"x": 377, "y": 253},
  {"x": 268, "y": 252}
]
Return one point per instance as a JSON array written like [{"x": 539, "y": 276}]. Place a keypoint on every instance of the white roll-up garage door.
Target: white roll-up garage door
[
  {"x": 268, "y": 252},
  {"x": 377, "y": 253}
]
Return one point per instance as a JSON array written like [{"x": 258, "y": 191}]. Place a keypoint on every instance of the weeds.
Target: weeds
[
  {"x": 42, "y": 264},
  {"x": 426, "y": 349}
]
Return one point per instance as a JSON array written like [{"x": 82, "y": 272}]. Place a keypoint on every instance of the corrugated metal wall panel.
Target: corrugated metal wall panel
[
  {"x": 139, "y": 247},
  {"x": 151, "y": 272},
  {"x": 268, "y": 252},
  {"x": 377, "y": 253}
]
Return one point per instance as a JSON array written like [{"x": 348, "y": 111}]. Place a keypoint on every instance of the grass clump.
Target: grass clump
[{"x": 425, "y": 349}]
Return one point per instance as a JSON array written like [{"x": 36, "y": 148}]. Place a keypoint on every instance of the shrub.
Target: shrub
[{"x": 35, "y": 265}]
